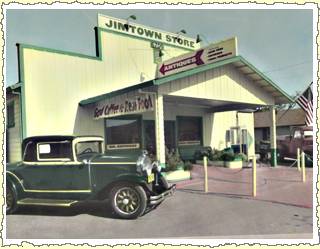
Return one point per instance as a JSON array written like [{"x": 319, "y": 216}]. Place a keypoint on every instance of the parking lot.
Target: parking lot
[{"x": 223, "y": 212}]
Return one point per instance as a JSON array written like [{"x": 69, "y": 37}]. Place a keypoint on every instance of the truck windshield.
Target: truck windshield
[
  {"x": 308, "y": 134},
  {"x": 88, "y": 147}
]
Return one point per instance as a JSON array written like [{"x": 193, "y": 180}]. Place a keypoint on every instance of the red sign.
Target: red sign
[
  {"x": 195, "y": 59},
  {"x": 127, "y": 106}
]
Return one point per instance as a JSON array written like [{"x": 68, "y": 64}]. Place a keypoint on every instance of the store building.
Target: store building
[{"x": 145, "y": 88}]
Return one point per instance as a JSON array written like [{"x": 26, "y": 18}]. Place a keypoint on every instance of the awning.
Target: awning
[{"x": 246, "y": 68}]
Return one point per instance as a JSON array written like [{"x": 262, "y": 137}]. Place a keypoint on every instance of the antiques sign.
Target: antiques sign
[
  {"x": 122, "y": 106},
  {"x": 207, "y": 55}
]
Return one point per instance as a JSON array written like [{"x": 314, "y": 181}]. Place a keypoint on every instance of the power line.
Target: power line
[{"x": 289, "y": 66}]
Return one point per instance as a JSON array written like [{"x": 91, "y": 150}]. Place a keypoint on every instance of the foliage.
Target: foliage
[
  {"x": 242, "y": 156},
  {"x": 187, "y": 166},
  {"x": 227, "y": 155},
  {"x": 173, "y": 159}
]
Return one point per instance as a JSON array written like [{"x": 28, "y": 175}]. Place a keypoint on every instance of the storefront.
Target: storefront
[{"x": 145, "y": 89}]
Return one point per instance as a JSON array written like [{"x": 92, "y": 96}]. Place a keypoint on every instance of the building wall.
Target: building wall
[
  {"x": 224, "y": 83},
  {"x": 221, "y": 122},
  {"x": 14, "y": 133},
  {"x": 54, "y": 82}
]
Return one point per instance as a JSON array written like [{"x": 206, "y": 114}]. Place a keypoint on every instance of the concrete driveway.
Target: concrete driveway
[
  {"x": 281, "y": 184},
  {"x": 188, "y": 214}
]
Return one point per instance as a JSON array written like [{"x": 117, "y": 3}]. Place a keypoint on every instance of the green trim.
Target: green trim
[
  {"x": 196, "y": 70},
  {"x": 56, "y": 51},
  {"x": 10, "y": 121},
  {"x": 145, "y": 39},
  {"x": 23, "y": 126},
  {"x": 115, "y": 93},
  {"x": 163, "y": 166},
  {"x": 262, "y": 75},
  {"x": 273, "y": 157}
]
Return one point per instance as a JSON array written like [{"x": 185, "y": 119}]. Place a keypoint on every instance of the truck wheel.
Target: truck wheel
[
  {"x": 11, "y": 200},
  {"x": 128, "y": 201}
]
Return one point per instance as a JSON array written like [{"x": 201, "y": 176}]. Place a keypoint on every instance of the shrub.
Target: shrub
[
  {"x": 242, "y": 156},
  {"x": 172, "y": 159},
  {"x": 187, "y": 165}
]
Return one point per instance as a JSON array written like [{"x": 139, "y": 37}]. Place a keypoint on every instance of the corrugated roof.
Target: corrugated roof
[{"x": 283, "y": 118}]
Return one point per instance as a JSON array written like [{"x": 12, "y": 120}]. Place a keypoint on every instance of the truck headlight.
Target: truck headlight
[
  {"x": 144, "y": 163},
  {"x": 156, "y": 165}
]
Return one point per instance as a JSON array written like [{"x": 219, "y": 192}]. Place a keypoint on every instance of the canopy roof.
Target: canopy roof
[{"x": 246, "y": 68}]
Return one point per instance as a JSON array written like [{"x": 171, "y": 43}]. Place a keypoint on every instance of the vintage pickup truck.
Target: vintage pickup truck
[
  {"x": 64, "y": 170},
  {"x": 301, "y": 137}
]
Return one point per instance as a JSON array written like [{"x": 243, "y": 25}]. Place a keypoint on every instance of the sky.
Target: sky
[{"x": 276, "y": 41}]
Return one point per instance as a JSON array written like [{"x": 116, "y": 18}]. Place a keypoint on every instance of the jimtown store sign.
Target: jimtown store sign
[{"x": 122, "y": 105}]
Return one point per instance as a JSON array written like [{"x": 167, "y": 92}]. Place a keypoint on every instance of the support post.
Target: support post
[
  {"x": 254, "y": 176},
  {"x": 303, "y": 167},
  {"x": 273, "y": 137},
  {"x": 205, "y": 166},
  {"x": 159, "y": 130},
  {"x": 298, "y": 159}
]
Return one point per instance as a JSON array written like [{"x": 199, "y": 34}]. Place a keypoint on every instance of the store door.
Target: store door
[{"x": 150, "y": 137}]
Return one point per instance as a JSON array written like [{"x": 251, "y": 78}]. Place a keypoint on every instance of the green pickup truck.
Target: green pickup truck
[{"x": 65, "y": 170}]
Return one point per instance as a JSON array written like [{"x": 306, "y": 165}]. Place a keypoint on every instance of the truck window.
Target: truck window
[
  {"x": 54, "y": 151},
  {"x": 308, "y": 134}
]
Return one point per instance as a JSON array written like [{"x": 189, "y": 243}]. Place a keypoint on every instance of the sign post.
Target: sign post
[
  {"x": 254, "y": 176},
  {"x": 298, "y": 159},
  {"x": 303, "y": 165},
  {"x": 205, "y": 165}
]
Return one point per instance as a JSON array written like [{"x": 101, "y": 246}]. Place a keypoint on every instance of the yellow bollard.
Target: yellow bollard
[
  {"x": 254, "y": 176},
  {"x": 303, "y": 167},
  {"x": 205, "y": 165},
  {"x": 298, "y": 159}
]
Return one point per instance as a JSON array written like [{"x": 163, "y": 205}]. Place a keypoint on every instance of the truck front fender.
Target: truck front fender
[{"x": 126, "y": 177}]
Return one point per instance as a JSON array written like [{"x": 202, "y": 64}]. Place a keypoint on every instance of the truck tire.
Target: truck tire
[
  {"x": 128, "y": 200},
  {"x": 11, "y": 200}
]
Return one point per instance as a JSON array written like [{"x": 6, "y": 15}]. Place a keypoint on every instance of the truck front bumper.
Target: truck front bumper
[{"x": 156, "y": 199}]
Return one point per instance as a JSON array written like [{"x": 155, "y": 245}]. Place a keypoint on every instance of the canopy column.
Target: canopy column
[
  {"x": 159, "y": 129},
  {"x": 273, "y": 137}
]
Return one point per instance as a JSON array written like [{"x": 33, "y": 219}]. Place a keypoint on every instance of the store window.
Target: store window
[
  {"x": 189, "y": 131},
  {"x": 123, "y": 133},
  {"x": 10, "y": 115}
]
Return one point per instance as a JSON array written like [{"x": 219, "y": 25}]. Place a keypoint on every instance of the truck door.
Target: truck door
[{"x": 296, "y": 142}]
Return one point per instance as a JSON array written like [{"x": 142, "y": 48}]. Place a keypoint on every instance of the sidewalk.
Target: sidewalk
[{"x": 280, "y": 185}]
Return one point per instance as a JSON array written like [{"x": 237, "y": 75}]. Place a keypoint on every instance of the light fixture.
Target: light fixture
[
  {"x": 126, "y": 26},
  {"x": 182, "y": 31},
  {"x": 198, "y": 39},
  {"x": 161, "y": 53}
]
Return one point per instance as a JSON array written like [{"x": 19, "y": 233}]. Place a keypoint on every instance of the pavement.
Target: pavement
[
  {"x": 187, "y": 214},
  {"x": 282, "y": 209},
  {"x": 281, "y": 184}
]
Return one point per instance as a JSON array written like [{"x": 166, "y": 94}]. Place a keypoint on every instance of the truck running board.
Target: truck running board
[{"x": 46, "y": 202}]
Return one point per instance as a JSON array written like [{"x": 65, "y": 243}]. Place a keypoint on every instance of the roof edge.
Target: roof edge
[{"x": 115, "y": 93}]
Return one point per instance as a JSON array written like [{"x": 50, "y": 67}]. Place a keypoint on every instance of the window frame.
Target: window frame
[
  {"x": 178, "y": 119},
  {"x": 10, "y": 105},
  {"x": 62, "y": 159},
  {"x": 126, "y": 117}
]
